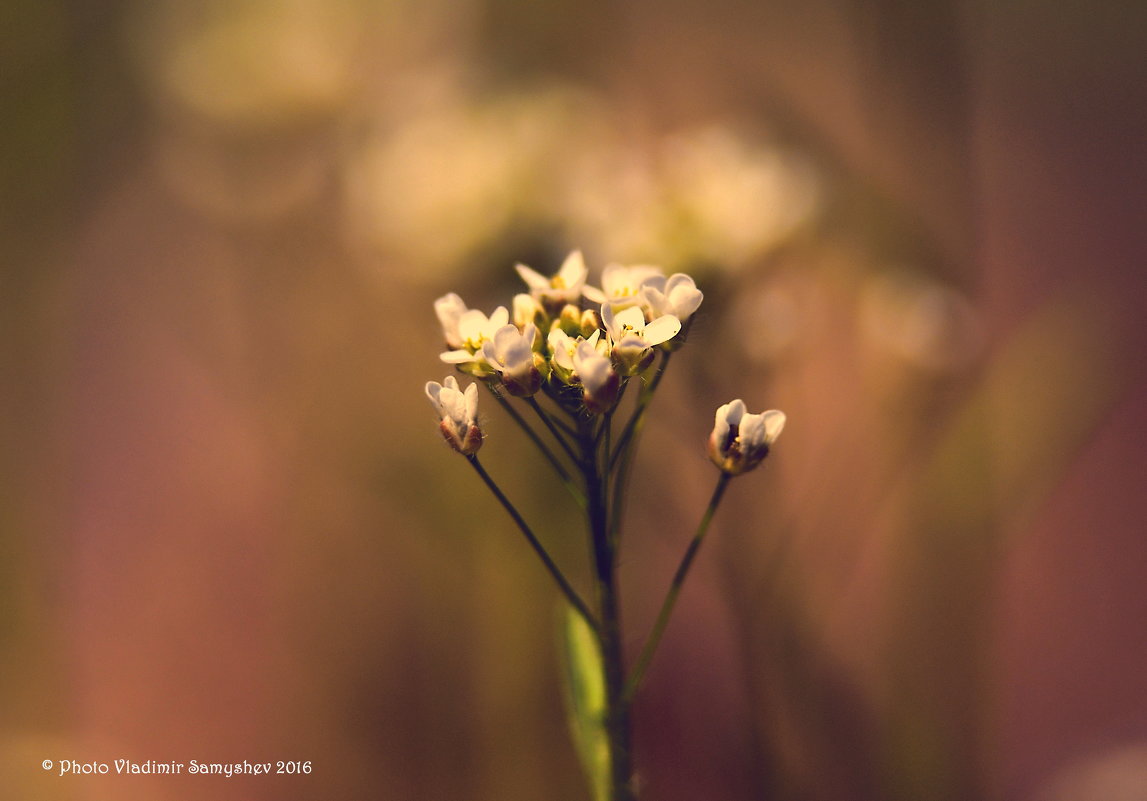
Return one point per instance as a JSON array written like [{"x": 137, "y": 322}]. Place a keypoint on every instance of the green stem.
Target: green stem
[
  {"x": 570, "y": 593},
  {"x": 570, "y": 485},
  {"x": 674, "y": 590},
  {"x": 617, "y": 724}
]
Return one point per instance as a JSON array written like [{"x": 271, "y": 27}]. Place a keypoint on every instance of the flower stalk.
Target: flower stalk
[
  {"x": 670, "y": 601},
  {"x": 617, "y": 726},
  {"x": 563, "y": 474},
  {"x": 563, "y": 584},
  {"x": 580, "y": 346}
]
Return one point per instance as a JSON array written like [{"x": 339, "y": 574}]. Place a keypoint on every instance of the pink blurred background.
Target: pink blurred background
[{"x": 229, "y": 530}]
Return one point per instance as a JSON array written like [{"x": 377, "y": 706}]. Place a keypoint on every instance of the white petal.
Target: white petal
[
  {"x": 612, "y": 279},
  {"x": 731, "y": 413},
  {"x": 449, "y": 309},
  {"x": 451, "y": 300},
  {"x": 525, "y": 308},
  {"x": 433, "y": 389},
  {"x": 472, "y": 403},
  {"x": 505, "y": 336},
  {"x": 640, "y": 275},
  {"x": 592, "y": 368},
  {"x": 682, "y": 297},
  {"x": 453, "y": 406},
  {"x": 632, "y": 318},
  {"x": 774, "y": 424},
  {"x": 655, "y": 283},
  {"x": 562, "y": 345},
  {"x": 490, "y": 353},
  {"x": 457, "y": 356},
  {"x": 662, "y": 329},
  {"x": 751, "y": 432},
  {"x": 653, "y": 302},
  {"x": 593, "y": 294},
  {"x": 471, "y": 325},
  {"x": 558, "y": 339},
  {"x": 573, "y": 270},
  {"x": 533, "y": 279},
  {"x": 499, "y": 318},
  {"x": 607, "y": 318}
]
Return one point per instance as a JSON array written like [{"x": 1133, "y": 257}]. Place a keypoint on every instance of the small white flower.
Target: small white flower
[
  {"x": 511, "y": 354},
  {"x": 459, "y": 413},
  {"x": 563, "y": 347},
  {"x": 527, "y": 310},
  {"x": 621, "y": 286},
  {"x": 740, "y": 441},
  {"x": 633, "y": 339},
  {"x": 560, "y": 289},
  {"x": 598, "y": 379},
  {"x": 474, "y": 330},
  {"x": 450, "y": 309},
  {"x": 678, "y": 295}
]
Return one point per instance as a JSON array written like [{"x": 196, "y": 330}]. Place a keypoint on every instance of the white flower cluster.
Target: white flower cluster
[
  {"x": 581, "y": 338},
  {"x": 578, "y": 344}
]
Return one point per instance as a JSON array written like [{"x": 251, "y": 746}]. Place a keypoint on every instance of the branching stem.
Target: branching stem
[
  {"x": 567, "y": 480},
  {"x": 549, "y": 423},
  {"x": 674, "y": 590},
  {"x": 566, "y": 588}
]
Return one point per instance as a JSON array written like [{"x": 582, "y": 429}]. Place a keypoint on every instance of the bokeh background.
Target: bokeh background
[{"x": 229, "y": 529}]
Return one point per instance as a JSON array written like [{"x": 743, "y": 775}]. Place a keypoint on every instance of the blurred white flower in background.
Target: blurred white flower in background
[
  {"x": 461, "y": 171},
  {"x": 714, "y": 195},
  {"x": 925, "y": 324}
]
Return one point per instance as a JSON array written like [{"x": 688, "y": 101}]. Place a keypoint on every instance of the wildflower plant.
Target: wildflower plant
[{"x": 563, "y": 365}]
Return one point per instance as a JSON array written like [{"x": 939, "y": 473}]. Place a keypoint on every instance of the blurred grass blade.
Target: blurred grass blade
[{"x": 585, "y": 695}]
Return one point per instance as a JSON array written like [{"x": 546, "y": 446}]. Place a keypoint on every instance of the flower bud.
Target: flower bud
[
  {"x": 600, "y": 382},
  {"x": 458, "y": 410},
  {"x": 570, "y": 320},
  {"x": 590, "y": 322},
  {"x": 527, "y": 311}
]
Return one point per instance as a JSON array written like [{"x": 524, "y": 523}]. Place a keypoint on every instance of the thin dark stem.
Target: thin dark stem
[
  {"x": 616, "y": 512},
  {"x": 608, "y": 416},
  {"x": 549, "y": 423},
  {"x": 607, "y": 427},
  {"x": 674, "y": 590},
  {"x": 633, "y": 425},
  {"x": 570, "y": 593},
  {"x": 627, "y": 446},
  {"x": 563, "y": 425},
  {"x": 559, "y": 468}
]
